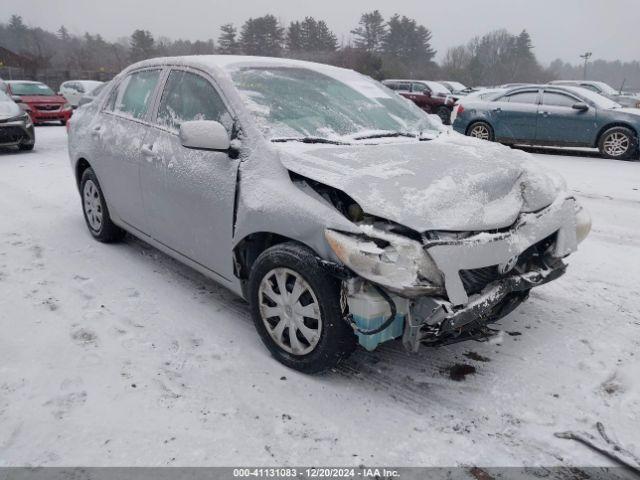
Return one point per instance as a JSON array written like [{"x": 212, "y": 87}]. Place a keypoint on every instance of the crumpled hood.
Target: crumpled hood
[
  {"x": 8, "y": 110},
  {"x": 451, "y": 183}
]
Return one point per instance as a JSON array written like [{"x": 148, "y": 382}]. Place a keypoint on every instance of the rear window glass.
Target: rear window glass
[{"x": 523, "y": 97}]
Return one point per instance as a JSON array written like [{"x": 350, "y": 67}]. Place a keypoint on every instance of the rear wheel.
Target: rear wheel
[
  {"x": 445, "y": 114},
  {"x": 96, "y": 213},
  {"x": 481, "y": 130},
  {"x": 618, "y": 143},
  {"x": 295, "y": 305},
  {"x": 26, "y": 146}
]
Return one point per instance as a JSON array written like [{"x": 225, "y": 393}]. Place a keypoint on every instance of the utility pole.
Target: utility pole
[{"x": 586, "y": 56}]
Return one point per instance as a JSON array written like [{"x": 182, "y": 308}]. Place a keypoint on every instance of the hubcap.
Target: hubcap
[
  {"x": 616, "y": 144},
  {"x": 92, "y": 205},
  {"x": 290, "y": 311},
  {"x": 480, "y": 131}
]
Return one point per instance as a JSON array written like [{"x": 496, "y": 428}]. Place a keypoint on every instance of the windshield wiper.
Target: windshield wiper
[
  {"x": 384, "y": 135},
  {"x": 308, "y": 140}
]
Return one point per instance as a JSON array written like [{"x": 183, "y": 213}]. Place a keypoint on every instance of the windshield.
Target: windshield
[
  {"x": 607, "y": 89},
  {"x": 31, "y": 89},
  {"x": 456, "y": 86},
  {"x": 293, "y": 102},
  {"x": 596, "y": 98}
]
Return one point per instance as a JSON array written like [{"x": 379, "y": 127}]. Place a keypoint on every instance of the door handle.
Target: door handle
[
  {"x": 545, "y": 114},
  {"x": 147, "y": 151},
  {"x": 497, "y": 110},
  {"x": 95, "y": 131}
]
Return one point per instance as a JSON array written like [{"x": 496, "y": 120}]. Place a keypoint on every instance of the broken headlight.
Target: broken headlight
[{"x": 397, "y": 263}]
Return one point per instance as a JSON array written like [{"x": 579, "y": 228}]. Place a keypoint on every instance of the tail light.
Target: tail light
[{"x": 459, "y": 109}]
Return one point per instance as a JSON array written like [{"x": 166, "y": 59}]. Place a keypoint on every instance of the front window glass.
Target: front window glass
[
  {"x": 187, "y": 97},
  {"x": 419, "y": 88},
  {"x": 136, "y": 92},
  {"x": 27, "y": 89},
  {"x": 297, "y": 102},
  {"x": 558, "y": 99},
  {"x": 605, "y": 88}
]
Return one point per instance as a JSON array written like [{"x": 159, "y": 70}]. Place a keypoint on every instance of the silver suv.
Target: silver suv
[{"x": 340, "y": 211}]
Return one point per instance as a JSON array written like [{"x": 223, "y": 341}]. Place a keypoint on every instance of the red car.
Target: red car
[
  {"x": 430, "y": 96},
  {"x": 39, "y": 101}
]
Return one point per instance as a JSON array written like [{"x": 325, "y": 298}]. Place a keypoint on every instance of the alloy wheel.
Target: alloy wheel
[
  {"x": 481, "y": 132},
  {"x": 290, "y": 311},
  {"x": 92, "y": 205},
  {"x": 616, "y": 144}
]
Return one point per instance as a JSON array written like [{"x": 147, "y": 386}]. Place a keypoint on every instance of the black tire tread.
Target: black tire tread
[{"x": 110, "y": 232}]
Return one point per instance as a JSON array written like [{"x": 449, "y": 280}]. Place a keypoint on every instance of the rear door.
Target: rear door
[
  {"x": 561, "y": 124},
  {"x": 514, "y": 117},
  {"x": 119, "y": 132},
  {"x": 189, "y": 194}
]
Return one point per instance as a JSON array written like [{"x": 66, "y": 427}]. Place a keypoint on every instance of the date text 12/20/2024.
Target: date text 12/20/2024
[{"x": 315, "y": 473}]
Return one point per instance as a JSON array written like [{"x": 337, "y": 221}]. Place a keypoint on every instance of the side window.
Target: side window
[
  {"x": 392, "y": 86},
  {"x": 403, "y": 87},
  {"x": 593, "y": 88},
  {"x": 188, "y": 96},
  {"x": 558, "y": 99},
  {"x": 133, "y": 95},
  {"x": 523, "y": 97},
  {"x": 419, "y": 88}
]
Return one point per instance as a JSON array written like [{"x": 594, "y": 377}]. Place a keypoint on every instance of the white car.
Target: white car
[{"x": 74, "y": 90}]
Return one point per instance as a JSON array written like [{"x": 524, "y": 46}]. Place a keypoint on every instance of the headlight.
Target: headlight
[
  {"x": 66, "y": 106},
  {"x": 393, "y": 261},
  {"x": 24, "y": 107},
  {"x": 583, "y": 223}
]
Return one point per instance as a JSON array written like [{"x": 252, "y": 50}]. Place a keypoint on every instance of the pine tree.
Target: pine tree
[
  {"x": 262, "y": 36},
  {"x": 370, "y": 32},
  {"x": 63, "y": 34},
  {"x": 227, "y": 41},
  {"x": 141, "y": 45}
]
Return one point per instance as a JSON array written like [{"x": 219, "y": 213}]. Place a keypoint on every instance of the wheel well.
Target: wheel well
[
  {"x": 81, "y": 166},
  {"x": 612, "y": 125},
  {"x": 249, "y": 249}
]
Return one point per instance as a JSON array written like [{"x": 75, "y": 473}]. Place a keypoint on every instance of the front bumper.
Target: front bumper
[
  {"x": 38, "y": 116},
  {"x": 16, "y": 133}
]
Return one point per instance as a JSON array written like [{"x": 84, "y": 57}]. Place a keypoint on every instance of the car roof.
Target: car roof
[{"x": 15, "y": 82}]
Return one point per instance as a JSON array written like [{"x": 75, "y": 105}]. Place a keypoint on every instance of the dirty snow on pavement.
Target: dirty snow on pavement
[{"x": 118, "y": 355}]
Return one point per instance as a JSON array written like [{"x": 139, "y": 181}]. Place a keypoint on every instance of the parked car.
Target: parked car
[
  {"x": 40, "y": 102},
  {"x": 74, "y": 90},
  {"x": 553, "y": 115},
  {"x": 603, "y": 89},
  {"x": 431, "y": 97},
  {"x": 16, "y": 128},
  {"x": 478, "y": 95},
  {"x": 93, "y": 94},
  {"x": 456, "y": 88},
  {"x": 342, "y": 213}
]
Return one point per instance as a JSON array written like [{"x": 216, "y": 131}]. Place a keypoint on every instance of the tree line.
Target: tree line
[{"x": 381, "y": 47}]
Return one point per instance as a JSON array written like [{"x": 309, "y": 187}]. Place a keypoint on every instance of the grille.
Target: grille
[
  {"x": 10, "y": 134},
  {"x": 48, "y": 108}
]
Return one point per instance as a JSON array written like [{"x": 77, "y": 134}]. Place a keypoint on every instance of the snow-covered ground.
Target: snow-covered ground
[{"x": 118, "y": 355}]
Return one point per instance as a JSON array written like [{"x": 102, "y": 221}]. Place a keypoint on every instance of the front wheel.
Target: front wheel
[
  {"x": 618, "y": 143},
  {"x": 481, "y": 130},
  {"x": 63, "y": 122},
  {"x": 295, "y": 305}
]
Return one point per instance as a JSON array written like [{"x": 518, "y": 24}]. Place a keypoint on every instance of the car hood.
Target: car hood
[
  {"x": 31, "y": 99},
  {"x": 451, "y": 183},
  {"x": 8, "y": 110}
]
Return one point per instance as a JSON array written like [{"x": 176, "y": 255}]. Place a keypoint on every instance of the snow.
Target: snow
[{"x": 118, "y": 355}]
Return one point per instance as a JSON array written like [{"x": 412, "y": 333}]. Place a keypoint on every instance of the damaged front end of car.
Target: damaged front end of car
[{"x": 438, "y": 287}]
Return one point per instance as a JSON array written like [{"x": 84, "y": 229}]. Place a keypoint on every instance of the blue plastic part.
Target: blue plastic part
[{"x": 370, "y": 342}]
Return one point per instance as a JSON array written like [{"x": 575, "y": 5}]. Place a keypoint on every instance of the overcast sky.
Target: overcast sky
[{"x": 559, "y": 28}]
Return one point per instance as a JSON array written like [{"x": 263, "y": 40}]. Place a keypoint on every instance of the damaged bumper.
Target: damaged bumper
[{"x": 484, "y": 277}]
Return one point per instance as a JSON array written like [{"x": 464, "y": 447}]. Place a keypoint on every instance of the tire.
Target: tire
[
  {"x": 619, "y": 143},
  {"x": 481, "y": 130},
  {"x": 63, "y": 122},
  {"x": 95, "y": 211},
  {"x": 26, "y": 146},
  {"x": 445, "y": 114},
  {"x": 319, "y": 296}
]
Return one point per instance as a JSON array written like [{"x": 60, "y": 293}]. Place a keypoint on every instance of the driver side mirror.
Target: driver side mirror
[
  {"x": 204, "y": 135},
  {"x": 581, "y": 107}
]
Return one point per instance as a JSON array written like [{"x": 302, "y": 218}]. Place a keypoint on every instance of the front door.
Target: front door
[
  {"x": 561, "y": 124},
  {"x": 189, "y": 194},
  {"x": 514, "y": 117}
]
